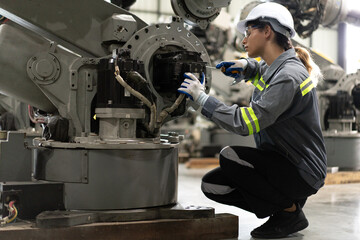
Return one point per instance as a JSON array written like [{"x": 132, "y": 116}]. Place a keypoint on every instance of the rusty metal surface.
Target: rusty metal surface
[{"x": 222, "y": 226}]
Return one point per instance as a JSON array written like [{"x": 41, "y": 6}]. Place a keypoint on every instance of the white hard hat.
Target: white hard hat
[{"x": 277, "y": 15}]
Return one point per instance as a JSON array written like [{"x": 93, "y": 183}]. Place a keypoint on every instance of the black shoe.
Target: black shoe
[{"x": 282, "y": 224}]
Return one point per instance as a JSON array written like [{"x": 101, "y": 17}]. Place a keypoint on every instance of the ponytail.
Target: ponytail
[
  {"x": 303, "y": 54},
  {"x": 310, "y": 65}
]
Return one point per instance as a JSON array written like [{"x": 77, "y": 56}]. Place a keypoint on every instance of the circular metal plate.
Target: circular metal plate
[
  {"x": 199, "y": 13},
  {"x": 144, "y": 44},
  {"x": 44, "y": 68}
]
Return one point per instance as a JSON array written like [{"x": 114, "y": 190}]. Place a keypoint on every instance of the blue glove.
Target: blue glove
[
  {"x": 192, "y": 87},
  {"x": 233, "y": 68}
]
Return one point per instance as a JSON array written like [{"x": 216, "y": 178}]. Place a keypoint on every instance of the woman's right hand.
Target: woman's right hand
[{"x": 233, "y": 68}]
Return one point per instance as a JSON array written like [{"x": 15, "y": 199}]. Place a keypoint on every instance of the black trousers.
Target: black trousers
[{"x": 258, "y": 181}]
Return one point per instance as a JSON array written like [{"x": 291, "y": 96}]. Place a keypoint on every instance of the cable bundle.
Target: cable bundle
[{"x": 13, "y": 212}]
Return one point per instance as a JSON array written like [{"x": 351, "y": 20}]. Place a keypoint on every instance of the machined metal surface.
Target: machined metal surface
[
  {"x": 343, "y": 150},
  {"x": 150, "y": 39},
  {"x": 342, "y": 125},
  {"x": 340, "y": 11},
  {"x": 18, "y": 109},
  {"x": 60, "y": 47},
  {"x": 119, "y": 27},
  {"x": 96, "y": 143},
  {"x": 332, "y": 12},
  {"x": 74, "y": 24},
  {"x": 44, "y": 68},
  {"x": 111, "y": 179},
  {"x": 346, "y": 84},
  {"x": 14, "y": 80},
  {"x": 128, "y": 113},
  {"x": 199, "y": 13},
  {"x": 15, "y": 158},
  {"x": 118, "y": 123}
]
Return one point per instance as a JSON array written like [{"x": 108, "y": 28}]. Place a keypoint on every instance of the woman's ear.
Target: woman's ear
[{"x": 267, "y": 31}]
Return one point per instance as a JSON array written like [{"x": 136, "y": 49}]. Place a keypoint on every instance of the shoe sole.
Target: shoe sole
[{"x": 297, "y": 227}]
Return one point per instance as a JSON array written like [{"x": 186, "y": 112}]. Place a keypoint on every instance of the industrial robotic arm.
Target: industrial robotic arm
[
  {"x": 105, "y": 82},
  {"x": 309, "y": 14}
]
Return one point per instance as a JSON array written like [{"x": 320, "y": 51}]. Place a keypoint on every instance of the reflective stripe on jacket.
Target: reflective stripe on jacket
[{"x": 283, "y": 115}]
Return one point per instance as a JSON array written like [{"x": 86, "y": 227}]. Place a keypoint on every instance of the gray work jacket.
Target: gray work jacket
[{"x": 283, "y": 115}]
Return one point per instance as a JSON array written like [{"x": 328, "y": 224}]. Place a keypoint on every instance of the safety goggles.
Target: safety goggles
[{"x": 247, "y": 32}]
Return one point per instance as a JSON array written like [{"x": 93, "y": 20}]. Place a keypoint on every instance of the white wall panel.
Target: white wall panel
[
  {"x": 148, "y": 5},
  {"x": 165, "y": 6},
  {"x": 236, "y": 6},
  {"x": 325, "y": 41},
  {"x": 149, "y": 18},
  {"x": 352, "y": 49}
]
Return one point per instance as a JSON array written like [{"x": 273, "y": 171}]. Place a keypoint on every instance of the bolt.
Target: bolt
[{"x": 126, "y": 125}]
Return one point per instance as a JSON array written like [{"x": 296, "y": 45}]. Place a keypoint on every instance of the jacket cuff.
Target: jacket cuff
[
  {"x": 251, "y": 69},
  {"x": 202, "y": 98}
]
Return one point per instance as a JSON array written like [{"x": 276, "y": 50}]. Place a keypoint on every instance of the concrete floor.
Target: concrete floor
[{"x": 333, "y": 213}]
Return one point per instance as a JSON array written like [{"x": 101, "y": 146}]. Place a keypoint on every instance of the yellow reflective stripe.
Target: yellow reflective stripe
[
  {"x": 267, "y": 85},
  {"x": 260, "y": 87},
  {"x": 305, "y": 82},
  {"x": 254, "y": 118},
  {"x": 308, "y": 89},
  {"x": 247, "y": 121},
  {"x": 262, "y": 80},
  {"x": 256, "y": 79}
]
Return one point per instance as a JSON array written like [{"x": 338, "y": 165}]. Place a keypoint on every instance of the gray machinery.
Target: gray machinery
[
  {"x": 104, "y": 82},
  {"x": 309, "y": 14},
  {"x": 339, "y": 106},
  {"x": 13, "y": 114}
]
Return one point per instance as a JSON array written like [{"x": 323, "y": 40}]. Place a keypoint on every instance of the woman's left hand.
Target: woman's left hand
[{"x": 192, "y": 86}]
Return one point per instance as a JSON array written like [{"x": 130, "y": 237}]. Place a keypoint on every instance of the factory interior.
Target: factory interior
[{"x": 97, "y": 142}]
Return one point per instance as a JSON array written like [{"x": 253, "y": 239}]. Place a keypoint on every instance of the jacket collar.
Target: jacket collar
[{"x": 277, "y": 64}]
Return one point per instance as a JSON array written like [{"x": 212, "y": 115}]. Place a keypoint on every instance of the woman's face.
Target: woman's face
[{"x": 254, "y": 41}]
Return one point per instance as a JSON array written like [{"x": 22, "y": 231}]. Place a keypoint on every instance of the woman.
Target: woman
[{"x": 289, "y": 163}]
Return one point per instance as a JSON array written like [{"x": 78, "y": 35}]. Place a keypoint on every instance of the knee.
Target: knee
[
  {"x": 214, "y": 183},
  {"x": 206, "y": 180},
  {"x": 210, "y": 189},
  {"x": 229, "y": 155}
]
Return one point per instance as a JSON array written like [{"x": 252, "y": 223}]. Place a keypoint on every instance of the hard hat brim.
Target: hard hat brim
[{"x": 241, "y": 26}]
